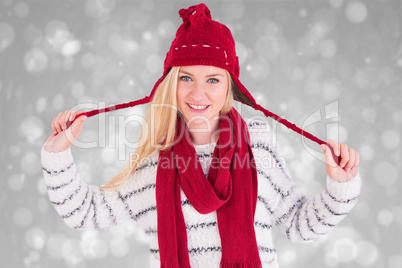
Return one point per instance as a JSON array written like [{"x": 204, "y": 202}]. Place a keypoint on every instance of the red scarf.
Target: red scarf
[{"x": 230, "y": 190}]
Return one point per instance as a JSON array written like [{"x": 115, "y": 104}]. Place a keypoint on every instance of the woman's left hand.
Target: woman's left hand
[{"x": 347, "y": 167}]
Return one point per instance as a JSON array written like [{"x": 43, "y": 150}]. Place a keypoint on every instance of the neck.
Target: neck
[{"x": 203, "y": 134}]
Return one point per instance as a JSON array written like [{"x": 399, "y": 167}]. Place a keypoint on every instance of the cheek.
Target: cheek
[
  {"x": 220, "y": 97},
  {"x": 180, "y": 97}
]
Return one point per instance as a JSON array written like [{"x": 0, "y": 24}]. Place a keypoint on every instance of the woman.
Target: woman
[{"x": 210, "y": 203}]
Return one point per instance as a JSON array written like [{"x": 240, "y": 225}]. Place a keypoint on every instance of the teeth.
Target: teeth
[{"x": 198, "y": 107}]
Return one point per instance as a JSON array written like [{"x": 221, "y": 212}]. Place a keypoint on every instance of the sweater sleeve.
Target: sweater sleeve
[
  {"x": 300, "y": 218},
  {"x": 80, "y": 205}
]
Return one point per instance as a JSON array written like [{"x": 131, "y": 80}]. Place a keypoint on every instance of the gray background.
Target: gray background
[{"x": 334, "y": 59}]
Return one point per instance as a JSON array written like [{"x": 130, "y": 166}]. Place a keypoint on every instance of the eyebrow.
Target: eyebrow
[{"x": 216, "y": 74}]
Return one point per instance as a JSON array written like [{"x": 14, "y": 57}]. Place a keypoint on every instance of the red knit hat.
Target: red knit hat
[{"x": 203, "y": 41}]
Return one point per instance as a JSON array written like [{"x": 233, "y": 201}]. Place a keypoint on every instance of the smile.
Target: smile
[{"x": 198, "y": 107}]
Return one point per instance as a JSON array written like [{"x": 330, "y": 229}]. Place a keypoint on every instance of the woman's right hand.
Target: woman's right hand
[{"x": 62, "y": 137}]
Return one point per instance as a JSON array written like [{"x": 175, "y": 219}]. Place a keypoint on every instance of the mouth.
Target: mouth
[{"x": 197, "y": 108}]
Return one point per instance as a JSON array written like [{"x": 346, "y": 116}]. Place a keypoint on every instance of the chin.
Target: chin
[{"x": 197, "y": 122}]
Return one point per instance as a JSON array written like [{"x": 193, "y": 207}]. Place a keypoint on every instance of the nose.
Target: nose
[{"x": 197, "y": 92}]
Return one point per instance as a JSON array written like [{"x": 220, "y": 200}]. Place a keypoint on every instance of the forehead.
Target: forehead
[{"x": 202, "y": 70}]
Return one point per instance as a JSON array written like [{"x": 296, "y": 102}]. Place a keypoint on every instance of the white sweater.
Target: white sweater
[{"x": 280, "y": 202}]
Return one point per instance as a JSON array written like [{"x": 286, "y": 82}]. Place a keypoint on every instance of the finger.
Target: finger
[
  {"x": 56, "y": 122},
  {"x": 335, "y": 146},
  {"x": 53, "y": 127},
  {"x": 329, "y": 160},
  {"x": 357, "y": 161},
  {"x": 67, "y": 116},
  {"x": 73, "y": 116},
  {"x": 352, "y": 159},
  {"x": 62, "y": 122},
  {"x": 75, "y": 129},
  {"x": 344, "y": 155}
]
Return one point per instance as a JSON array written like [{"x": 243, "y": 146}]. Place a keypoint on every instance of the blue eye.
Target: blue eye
[
  {"x": 213, "y": 80},
  {"x": 185, "y": 78}
]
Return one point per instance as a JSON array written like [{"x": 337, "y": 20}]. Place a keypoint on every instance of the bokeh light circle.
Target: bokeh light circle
[
  {"x": 15, "y": 150},
  {"x": 242, "y": 52},
  {"x": 369, "y": 115},
  {"x": 385, "y": 173},
  {"x": 268, "y": 47},
  {"x": 57, "y": 34},
  {"x": 43, "y": 204},
  {"x": 356, "y": 11},
  {"x": 336, "y": 3},
  {"x": 397, "y": 117},
  {"x": 30, "y": 163},
  {"x": 234, "y": 10},
  {"x": 41, "y": 104},
  {"x": 16, "y": 182},
  {"x": 22, "y": 217},
  {"x": 98, "y": 8},
  {"x": 35, "y": 238},
  {"x": 367, "y": 253},
  {"x": 258, "y": 68},
  {"x": 319, "y": 30},
  {"x": 266, "y": 27},
  {"x": 307, "y": 46},
  {"x": 53, "y": 245},
  {"x": 385, "y": 217},
  {"x": 41, "y": 186},
  {"x": 33, "y": 34},
  {"x": 334, "y": 130},
  {"x": 94, "y": 247},
  {"x": 58, "y": 103},
  {"x": 395, "y": 261},
  {"x": 154, "y": 63},
  {"x": 78, "y": 89},
  {"x": 331, "y": 259},
  {"x": 88, "y": 60},
  {"x": 21, "y": 10},
  {"x": 166, "y": 29},
  {"x": 70, "y": 48},
  {"x": 68, "y": 63},
  {"x": 303, "y": 13},
  {"x": 71, "y": 251},
  {"x": 147, "y": 36},
  {"x": 361, "y": 79},
  {"x": 366, "y": 152},
  {"x": 327, "y": 48},
  {"x": 390, "y": 139},
  {"x": 7, "y": 36},
  {"x": 36, "y": 61},
  {"x": 330, "y": 90},
  {"x": 32, "y": 128}
]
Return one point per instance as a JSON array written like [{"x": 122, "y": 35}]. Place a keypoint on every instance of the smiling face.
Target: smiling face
[{"x": 201, "y": 94}]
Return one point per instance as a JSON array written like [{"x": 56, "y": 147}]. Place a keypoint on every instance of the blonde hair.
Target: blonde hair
[{"x": 162, "y": 119}]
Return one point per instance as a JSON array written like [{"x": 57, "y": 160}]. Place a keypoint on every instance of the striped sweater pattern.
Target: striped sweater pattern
[{"x": 280, "y": 202}]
